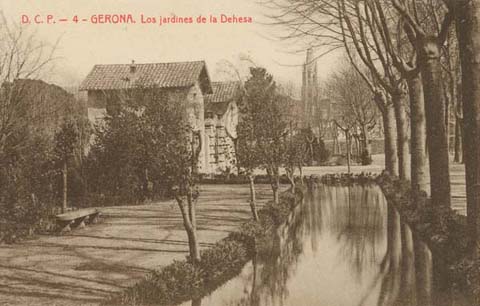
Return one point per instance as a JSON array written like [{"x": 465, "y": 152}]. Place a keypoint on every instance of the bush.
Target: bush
[
  {"x": 181, "y": 281},
  {"x": 444, "y": 231},
  {"x": 239, "y": 179},
  {"x": 366, "y": 158},
  {"x": 322, "y": 153},
  {"x": 27, "y": 199},
  {"x": 222, "y": 262}
]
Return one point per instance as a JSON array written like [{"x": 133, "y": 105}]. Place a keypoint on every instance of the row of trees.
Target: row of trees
[
  {"x": 411, "y": 58},
  {"x": 354, "y": 112},
  {"x": 266, "y": 134}
]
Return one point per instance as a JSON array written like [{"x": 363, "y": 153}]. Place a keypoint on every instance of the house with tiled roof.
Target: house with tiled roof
[
  {"x": 221, "y": 120},
  {"x": 185, "y": 83}
]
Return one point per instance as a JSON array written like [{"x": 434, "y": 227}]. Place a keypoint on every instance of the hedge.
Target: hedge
[{"x": 181, "y": 281}]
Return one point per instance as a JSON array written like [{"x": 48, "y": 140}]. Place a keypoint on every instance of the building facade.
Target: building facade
[
  {"x": 310, "y": 92},
  {"x": 187, "y": 84},
  {"x": 317, "y": 112},
  {"x": 221, "y": 120}
]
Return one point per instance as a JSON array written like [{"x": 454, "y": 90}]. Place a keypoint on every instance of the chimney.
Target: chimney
[{"x": 133, "y": 68}]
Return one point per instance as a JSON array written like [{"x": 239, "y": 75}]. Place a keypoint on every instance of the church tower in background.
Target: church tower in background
[{"x": 310, "y": 93}]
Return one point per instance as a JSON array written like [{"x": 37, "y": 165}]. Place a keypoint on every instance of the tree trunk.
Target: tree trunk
[
  {"x": 458, "y": 154},
  {"x": 275, "y": 192},
  {"x": 190, "y": 226},
  {"x": 366, "y": 146},
  {"x": 290, "y": 176},
  {"x": 398, "y": 100},
  {"x": 334, "y": 144},
  {"x": 468, "y": 33},
  {"x": 273, "y": 174},
  {"x": 253, "y": 201},
  {"x": 339, "y": 147},
  {"x": 357, "y": 147},
  {"x": 347, "y": 141},
  {"x": 65, "y": 187},
  {"x": 390, "y": 135},
  {"x": 311, "y": 154},
  {"x": 418, "y": 166},
  {"x": 429, "y": 63},
  {"x": 447, "y": 118},
  {"x": 193, "y": 245},
  {"x": 300, "y": 170}
]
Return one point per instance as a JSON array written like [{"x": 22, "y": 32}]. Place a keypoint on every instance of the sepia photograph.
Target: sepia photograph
[{"x": 240, "y": 153}]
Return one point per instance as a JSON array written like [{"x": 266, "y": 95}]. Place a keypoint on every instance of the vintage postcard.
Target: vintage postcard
[{"x": 255, "y": 152}]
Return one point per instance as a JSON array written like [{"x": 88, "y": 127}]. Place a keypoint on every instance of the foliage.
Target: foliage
[
  {"x": 265, "y": 111},
  {"x": 27, "y": 198},
  {"x": 322, "y": 153},
  {"x": 295, "y": 153},
  {"x": 140, "y": 151},
  {"x": 247, "y": 150},
  {"x": 366, "y": 158},
  {"x": 444, "y": 231},
  {"x": 113, "y": 164},
  {"x": 65, "y": 140},
  {"x": 145, "y": 149}
]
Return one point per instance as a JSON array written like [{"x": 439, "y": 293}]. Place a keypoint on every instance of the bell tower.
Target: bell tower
[{"x": 309, "y": 89}]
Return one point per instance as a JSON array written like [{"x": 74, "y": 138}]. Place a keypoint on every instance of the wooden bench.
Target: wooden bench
[{"x": 77, "y": 219}]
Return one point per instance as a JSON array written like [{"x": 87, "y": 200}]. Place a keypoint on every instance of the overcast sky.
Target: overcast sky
[{"x": 83, "y": 45}]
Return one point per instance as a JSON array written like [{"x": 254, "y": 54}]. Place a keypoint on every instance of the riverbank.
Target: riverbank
[
  {"x": 181, "y": 281},
  {"x": 444, "y": 231}
]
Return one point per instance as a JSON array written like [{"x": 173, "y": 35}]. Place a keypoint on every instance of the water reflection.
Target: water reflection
[{"x": 341, "y": 246}]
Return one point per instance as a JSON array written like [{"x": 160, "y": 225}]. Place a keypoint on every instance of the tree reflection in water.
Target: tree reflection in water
[{"x": 340, "y": 246}]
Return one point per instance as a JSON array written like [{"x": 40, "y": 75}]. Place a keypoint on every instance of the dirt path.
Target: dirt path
[{"x": 88, "y": 265}]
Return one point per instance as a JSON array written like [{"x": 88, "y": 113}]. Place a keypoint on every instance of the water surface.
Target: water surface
[{"x": 342, "y": 246}]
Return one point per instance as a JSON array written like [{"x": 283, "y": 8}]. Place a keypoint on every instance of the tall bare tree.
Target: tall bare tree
[
  {"x": 22, "y": 56},
  {"x": 354, "y": 99},
  {"x": 468, "y": 33},
  {"x": 339, "y": 24},
  {"x": 428, "y": 44}
]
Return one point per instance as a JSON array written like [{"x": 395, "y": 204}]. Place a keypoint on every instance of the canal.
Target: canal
[{"x": 342, "y": 246}]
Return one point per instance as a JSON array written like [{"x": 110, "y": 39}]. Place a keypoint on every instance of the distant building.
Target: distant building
[
  {"x": 317, "y": 112},
  {"x": 221, "y": 120},
  {"x": 185, "y": 83},
  {"x": 310, "y": 92}
]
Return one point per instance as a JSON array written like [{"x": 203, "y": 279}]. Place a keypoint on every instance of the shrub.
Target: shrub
[
  {"x": 444, "y": 231},
  {"x": 27, "y": 199},
  {"x": 181, "y": 281},
  {"x": 222, "y": 262},
  {"x": 366, "y": 158},
  {"x": 322, "y": 153}
]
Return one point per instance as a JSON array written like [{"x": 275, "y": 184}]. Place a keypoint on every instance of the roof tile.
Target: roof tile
[
  {"x": 163, "y": 75},
  {"x": 223, "y": 92}
]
